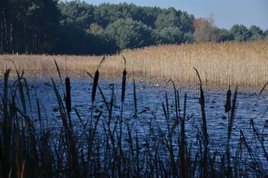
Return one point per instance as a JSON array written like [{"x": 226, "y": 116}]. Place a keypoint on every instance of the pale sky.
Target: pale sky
[{"x": 225, "y": 12}]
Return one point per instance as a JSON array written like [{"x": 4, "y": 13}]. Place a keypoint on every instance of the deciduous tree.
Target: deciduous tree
[{"x": 129, "y": 33}]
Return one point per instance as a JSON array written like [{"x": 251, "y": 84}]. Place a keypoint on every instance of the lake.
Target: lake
[{"x": 154, "y": 118}]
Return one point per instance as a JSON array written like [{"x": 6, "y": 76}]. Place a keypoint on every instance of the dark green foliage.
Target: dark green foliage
[
  {"x": 146, "y": 15},
  {"x": 168, "y": 18},
  {"x": 76, "y": 41},
  {"x": 224, "y": 35},
  {"x": 186, "y": 22},
  {"x": 76, "y": 27},
  {"x": 256, "y": 33},
  {"x": 266, "y": 33},
  {"x": 78, "y": 14},
  {"x": 240, "y": 33},
  {"x": 169, "y": 35},
  {"x": 29, "y": 26},
  {"x": 129, "y": 33},
  {"x": 106, "y": 14}
]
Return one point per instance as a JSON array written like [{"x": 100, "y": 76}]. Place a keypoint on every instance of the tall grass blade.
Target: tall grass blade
[
  {"x": 183, "y": 146},
  {"x": 95, "y": 81},
  {"x": 263, "y": 88},
  {"x": 58, "y": 69},
  {"x": 5, "y": 97},
  {"x": 20, "y": 88},
  {"x": 229, "y": 133},
  {"x": 261, "y": 140},
  {"x": 257, "y": 167},
  {"x": 5, "y": 129}
]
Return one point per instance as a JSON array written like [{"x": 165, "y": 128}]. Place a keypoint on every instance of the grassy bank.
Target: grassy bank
[{"x": 219, "y": 63}]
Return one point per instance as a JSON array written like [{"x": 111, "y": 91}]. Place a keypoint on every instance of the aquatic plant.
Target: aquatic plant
[{"x": 108, "y": 143}]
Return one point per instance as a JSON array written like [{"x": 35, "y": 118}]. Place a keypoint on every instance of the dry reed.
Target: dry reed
[{"x": 219, "y": 63}]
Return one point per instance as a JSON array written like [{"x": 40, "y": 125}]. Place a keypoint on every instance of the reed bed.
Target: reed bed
[
  {"x": 242, "y": 64},
  {"x": 108, "y": 143}
]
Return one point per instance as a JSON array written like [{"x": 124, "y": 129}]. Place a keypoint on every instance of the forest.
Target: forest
[{"x": 79, "y": 28}]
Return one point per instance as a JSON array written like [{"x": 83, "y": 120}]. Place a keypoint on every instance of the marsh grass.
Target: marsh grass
[
  {"x": 108, "y": 144},
  {"x": 234, "y": 63}
]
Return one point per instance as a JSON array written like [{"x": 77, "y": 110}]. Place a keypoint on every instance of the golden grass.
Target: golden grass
[{"x": 218, "y": 63}]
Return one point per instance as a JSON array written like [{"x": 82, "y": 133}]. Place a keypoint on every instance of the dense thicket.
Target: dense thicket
[{"x": 49, "y": 26}]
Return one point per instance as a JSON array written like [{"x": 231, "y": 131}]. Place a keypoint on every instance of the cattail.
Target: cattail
[
  {"x": 228, "y": 100},
  {"x": 135, "y": 98},
  {"x": 95, "y": 82},
  {"x": 202, "y": 104},
  {"x": 68, "y": 94},
  {"x": 204, "y": 124},
  {"x": 124, "y": 78},
  {"x": 94, "y": 87}
]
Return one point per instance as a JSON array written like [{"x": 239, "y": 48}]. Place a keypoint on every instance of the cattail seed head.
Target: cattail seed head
[
  {"x": 95, "y": 84},
  {"x": 124, "y": 78},
  {"x": 68, "y": 94}
]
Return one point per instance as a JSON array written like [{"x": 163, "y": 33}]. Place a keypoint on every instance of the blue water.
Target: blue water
[{"x": 150, "y": 101}]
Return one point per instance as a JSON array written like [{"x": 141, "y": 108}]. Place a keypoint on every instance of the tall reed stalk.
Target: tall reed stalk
[
  {"x": 204, "y": 125},
  {"x": 230, "y": 128}
]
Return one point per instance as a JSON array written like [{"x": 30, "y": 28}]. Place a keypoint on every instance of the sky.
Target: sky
[{"x": 225, "y": 13}]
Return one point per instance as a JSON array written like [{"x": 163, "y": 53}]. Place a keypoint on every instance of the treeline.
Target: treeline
[{"x": 49, "y": 26}]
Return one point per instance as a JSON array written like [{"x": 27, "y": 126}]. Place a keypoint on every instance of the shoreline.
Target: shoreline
[
  {"x": 242, "y": 64},
  {"x": 154, "y": 81}
]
